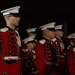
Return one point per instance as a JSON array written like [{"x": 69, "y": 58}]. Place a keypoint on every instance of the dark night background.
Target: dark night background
[{"x": 34, "y": 13}]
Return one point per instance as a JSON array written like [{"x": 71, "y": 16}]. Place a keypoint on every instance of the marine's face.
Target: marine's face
[
  {"x": 31, "y": 45},
  {"x": 14, "y": 20},
  {"x": 59, "y": 33},
  {"x": 32, "y": 34},
  {"x": 49, "y": 34}
]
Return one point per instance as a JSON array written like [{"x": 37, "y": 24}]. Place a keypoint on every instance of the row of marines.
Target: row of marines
[
  {"x": 53, "y": 55},
  {"x": 48, "y": 56}
]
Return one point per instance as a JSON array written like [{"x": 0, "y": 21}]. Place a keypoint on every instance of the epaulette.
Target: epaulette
[
  {"x": 54, "y": 39},
  {"x": 3, "y": 29},
  {"x": 42, "y": 41}
]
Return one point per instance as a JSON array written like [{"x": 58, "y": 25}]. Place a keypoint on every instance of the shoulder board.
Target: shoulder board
[
  {"x": 54, "y": 39},
  {"x": 42, "y": 41},
  {"x": 3, "y": 29}
]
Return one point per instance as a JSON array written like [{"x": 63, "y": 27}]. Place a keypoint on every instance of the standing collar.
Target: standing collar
[
  {"x": 47, "y": 40},
  {"x": 10, "y": 29}
]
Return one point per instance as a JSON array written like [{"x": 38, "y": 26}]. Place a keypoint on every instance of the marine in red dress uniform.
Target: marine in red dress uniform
[
  {"x": 11, "y": 42},
  {"x": 45, "y": 53},
  {"x": 70, "y": 55},
  {"x": 28, "y": 56},
  {"x": 71, "y": 59},
  {"x": 59, "y": 45}
]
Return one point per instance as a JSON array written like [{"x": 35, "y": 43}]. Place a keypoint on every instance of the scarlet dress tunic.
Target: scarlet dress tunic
[
  {"x": 59, "y": 52},
  {"x": 46, "y": 58},
  {"x": 10, "y": 46},
  {"x": 45, "y": 55},
  {"x": 71, "y": 59}
]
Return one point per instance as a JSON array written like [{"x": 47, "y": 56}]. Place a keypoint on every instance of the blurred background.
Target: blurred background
[{"x": 34, "y": 13}]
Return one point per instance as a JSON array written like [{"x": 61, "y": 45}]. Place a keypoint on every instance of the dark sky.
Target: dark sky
[{"x": 38, "y": 12}]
